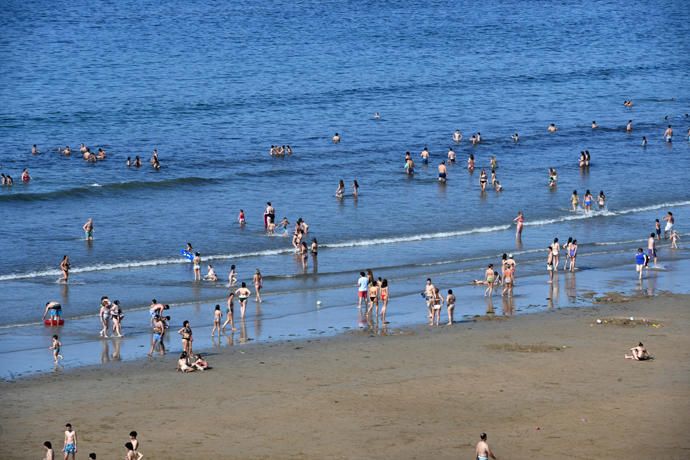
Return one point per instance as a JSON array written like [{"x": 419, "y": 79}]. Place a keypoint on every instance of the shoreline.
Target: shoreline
[{"x": 420, "y": 392}]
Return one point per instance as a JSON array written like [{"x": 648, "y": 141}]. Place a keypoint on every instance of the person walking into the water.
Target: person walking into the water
[
  {"x": 442, "y": 172},
  {"x": 651, "y": 248},
  {"x": 362, "y": 288},
  {"x": 641, "y": 261},
  {"x": 670, "y": 221},
  {"x": 64, "y": 268},
  {"x": 520, "y": 221},
  {"x": 243, "y": 294},
  {"x": 258, "y": 284},
  {"x": 88, "y": 229}
]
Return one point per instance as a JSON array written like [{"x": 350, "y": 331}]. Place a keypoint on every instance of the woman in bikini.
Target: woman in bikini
[
  {"x": 230, "y": 313},
  {"x": 490, "y": 280},
  {"x": 437, "y": 303},
  {"x": 483, "y": 180},
  {"x": 520, "y": 221},
  {"x": 196, "y": 261},
  {"x": 574, "y": 200},
  {"x": 508, "y": 281},
  {"x": 373, "y": 292},
  {"x": 243, "y": 294},
  {"x": 304, "y": 252},
  {"x": 64, "y": 268},
  {"x": 587, "y": 201},
  {"x": 450, "y": 305},
  {"x": 384, "y": 299},
  {"x": 572, "y": 252},
  {"x": 258, "y": 284},
  {"x": 470, "y": 163},
  {"x": 186, "y": 333}
]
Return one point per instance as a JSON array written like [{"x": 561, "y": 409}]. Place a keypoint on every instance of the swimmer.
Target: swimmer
[
  {"x": 594, "y": 125},
  {"x": 241, "y": 219},
  {"x": 520, "y": 222},
  {"x": 552, "y": 128},
  {"x": 483, "y": 451},
  {"x": 498, "y": 187},
  {"x": 336, "y": 138},
  {"x": 478, "y": 136},
  {"x": 137, "y": 162},
  {"x": 674, "y": 239},
  {"x": 340, "y": 191},
  {"x": 211, "y": 274},
  {"x": 67, "y": 151},
  {"x": 457, "y": 136},
  {"x": 217, "y": 318},
  {"x": 355, "y": 188},
  {"x": 34, "y": 150},
  {"x": 451, "y": 155},
  {"x": 196, "y": 261},
  {"x": 425, "y": 155},
  {"x": 25, "y": 176},
  {"x": 574, "y": 201},
  {"x": 101, "y": 154},
  {"x": 670, "y": 221},
  {"x": 377, "y": 116},
  {"x": 232, "y": 276},
  {"x": 628, "y": 127},
  {"x": 515, "y": 137},
  {"x": 442, "y": 172},
  {"x": 288, "y": 150},
  {"x": 644, "y": 141},
  {"x": 470, "y": 163},
  {"x": 243, "y": 294},
  {"x": 628, "y": 103},
  {"x": 55, "y": 347},
  {"x": 88, "y": 229},
  {"x": 641, "y": 261},
  {"x": 638, "y": 353},
  {"x": 668, "y": 134},
  {"x": 601, "y": 200}
]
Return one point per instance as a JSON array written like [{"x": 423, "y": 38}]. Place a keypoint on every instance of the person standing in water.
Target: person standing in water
[
  {"x": 628, "y": 127},
  {"x": 384, "y": 300},
  {"x": 336, "y": 138},
  {"x": 668, "y": 134},
  {"x": 196, "y": 261},
  {"x": 56, "y": 345},
  {"x": 243, "y": 294},
  {"x": 602, "y": 200},
  {"x": 457, "y": 136},
  {"x": 651, "y": 248},
  {"x": 442, "y": 172},
  {"x": 217, "y": 318},
  {"x": 574, "y": 200},
  {"x": 230, "y": 313},
  {"x": 340, "y": 191},
  {"x": 258, "y": 284},
  {"x": 587, "y": 201},
  {"x": 88, "y": 229},
  {"x": 670, "y": 221},
  {"x": 425, "y": 155},
  {"x": 552, "y": 128},
  {"x": 483, "y": 180},
  {"x": 64, "y": 268},
  {"x": 520, "y": 221},
  {"x": 355, "y": 188},
  {"x": 555, "y": 248}
]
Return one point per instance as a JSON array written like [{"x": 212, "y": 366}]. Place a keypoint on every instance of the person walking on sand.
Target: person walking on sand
[
  {"x": 670, "y": 221},
  {"x": 490, "y": 280},
  {"x": 483, "y": 451},
  {"x": 157, "y": 337},
  {"x": 56, "y": 345},
  {"x": 230, "y": 313},
  {"x": 362, "y": 288},
  {"x": 243, "y": 294},
  {"x": 520, "y": 221},
  {"x": 88, "y": 229},
  {"x": 437, "y": 303},
  {"x": 549, "y": 264},
  {"x": 641, "y": 261},
  {"x": 258, "y": 284},
  {"x": 104, "y": 316},
  {"x": 450, "y": 305},
  {"x": 217, "y": 318},
  {"x": 64, "y": 268},
  {"x": 70, "y": 444}
]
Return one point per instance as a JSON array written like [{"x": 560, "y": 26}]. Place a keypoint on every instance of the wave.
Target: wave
[
  {"x": 96, "y": 188},
  {"x": 353, "y": 243}
]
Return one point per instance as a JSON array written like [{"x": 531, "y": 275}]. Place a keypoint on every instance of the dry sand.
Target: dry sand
[{"x": 552, "y": 385}]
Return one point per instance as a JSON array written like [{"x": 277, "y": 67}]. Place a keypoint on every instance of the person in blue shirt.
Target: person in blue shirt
[{"x": 641, "y": 261}]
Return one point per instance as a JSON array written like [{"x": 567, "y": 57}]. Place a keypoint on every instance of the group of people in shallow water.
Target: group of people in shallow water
[
  {"x": 280, "y": 150},
  {"x": 373, "y": 293}
]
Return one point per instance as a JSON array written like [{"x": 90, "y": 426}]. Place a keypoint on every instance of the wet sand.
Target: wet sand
[{"x": 548, "y": 385}]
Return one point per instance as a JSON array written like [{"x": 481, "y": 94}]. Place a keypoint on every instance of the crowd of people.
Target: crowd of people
[{"x": 70, "y": 446}]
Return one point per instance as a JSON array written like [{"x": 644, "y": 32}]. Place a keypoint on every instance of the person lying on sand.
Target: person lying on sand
[
  {"x": 639, "y": 353},
  {"x": 200, "y": 363}
]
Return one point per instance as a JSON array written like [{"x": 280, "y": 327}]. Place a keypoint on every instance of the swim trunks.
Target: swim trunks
[
  {"x": 157, "y": 337},
  {"x": 70, "y": 449},
  {"x": 362, "y": 294},
  {"x": 441, "y": 175},
  {"x": 651, "y": 253}
]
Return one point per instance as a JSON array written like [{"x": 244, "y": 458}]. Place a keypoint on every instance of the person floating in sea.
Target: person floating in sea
[
  {"x": 55, "y": 346},
  {"x": 520, "y": 222},
  {"x": 336, "y": 138},
  {"x": 515, "y": 137},
  {"x": 594, "y": 125},
  {"x": 88, "y": 229},
  {"x": 628, "y": 127},
  {"x": 377, "y": 116},
  {"x": 670, "y": 221},
  {"x": 639, "y": 353},
  {"x": 628, "y": 103},
  {"x": 483, "y": 451},
  {"x": 64, "y": 268},
  {"x": 552, "y": 128},
  {"x": 442, "y": 172}
]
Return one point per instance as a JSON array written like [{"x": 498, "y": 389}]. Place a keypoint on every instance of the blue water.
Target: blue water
[{"x": 213, "y": 85}]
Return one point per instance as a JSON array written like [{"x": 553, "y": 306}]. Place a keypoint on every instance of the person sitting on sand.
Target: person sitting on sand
[
  {"x": 639, "y": 353},
  {"x": 183, "y": 363},
  {"x": 200, "y": 363}
]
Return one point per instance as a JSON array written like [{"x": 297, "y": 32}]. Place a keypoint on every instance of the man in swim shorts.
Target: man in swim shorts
[
  {"x": 442, "y": 171},
  {"x": 362, "y": 288},
  {"x": 651, "y": 248},
  {"x": 70, "y": 447},
  {"x": 88, "y": 229},
  {"x": 55, "y": 310}
]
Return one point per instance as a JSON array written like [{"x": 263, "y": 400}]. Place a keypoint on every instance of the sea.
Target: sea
[{"x": 213, "y": 85}]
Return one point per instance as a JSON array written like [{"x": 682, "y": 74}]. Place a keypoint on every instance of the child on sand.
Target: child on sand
[
  {"x": 70, "y": 446},
  {"x": 56, "y": 349},
  {"x": 49, "y": 454}
]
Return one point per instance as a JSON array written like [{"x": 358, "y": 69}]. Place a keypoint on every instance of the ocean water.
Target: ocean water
[{"x": 213, "y": 85}]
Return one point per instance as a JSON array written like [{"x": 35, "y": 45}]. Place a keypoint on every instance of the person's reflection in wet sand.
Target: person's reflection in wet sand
[
  {"x": 105, "y": 351},
  {"x": 230, "y": 338},
  {"x": 64, "y": 293},
  {"x": 507, "y": 305},
  {"x": 570, "y": 286},
  {"x": 243, "y": 331},
  {"x": 117, "y": 344},
  {"x": 489, "y": 306},
  {"x": 257, "y": 322}
]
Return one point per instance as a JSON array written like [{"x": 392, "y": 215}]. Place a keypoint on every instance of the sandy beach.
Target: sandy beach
[{"x": 549, "y": 385}]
